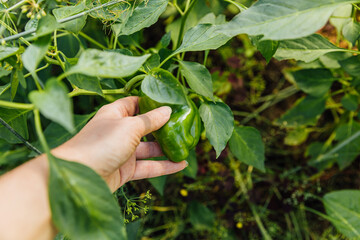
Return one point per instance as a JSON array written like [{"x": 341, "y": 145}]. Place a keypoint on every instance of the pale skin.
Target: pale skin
[{"x": 109, "y": 144}]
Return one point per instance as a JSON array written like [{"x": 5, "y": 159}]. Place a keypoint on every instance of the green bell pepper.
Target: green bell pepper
[{"x": 181, "y": 133}]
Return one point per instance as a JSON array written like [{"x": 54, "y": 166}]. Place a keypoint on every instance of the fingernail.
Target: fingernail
[
  {"x": 187, "y": 163},
  {"x": 166, "y": 110}
]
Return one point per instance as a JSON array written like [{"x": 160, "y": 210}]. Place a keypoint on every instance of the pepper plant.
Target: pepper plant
[{"x": 54, "y": 53}]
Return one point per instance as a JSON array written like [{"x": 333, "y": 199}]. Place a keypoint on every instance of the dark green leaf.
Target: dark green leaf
[
  {"x": 351, "y": 65},
  {"x": 165, "y": 40},
  {"x": 219, "y": 124},
  {"x": 306, "y": 49},
  {"x": 158, "y": 183},
  {"x": 35, "y": 53},
  {"x": 343, "y": 208},
  {"x": 144, "y": 15},
  {"x": 82, "y": 205},
  {"x": 17, "y": 120},
  {"x": 107, "y": 64},
  {"x": 305, "y": 111},
  {"x": 191, "y": 170},
  {"x": 163, "y": 87},
  {"x": 152, "y": 62},
  {"x": 54, "y": 104},
  {"x": 315, "y": 82},
  {"x": 14, "y": 83},
  {"x": 198, "y": 78},
  {"x": 350, "y": 102},
  {"x": 266, "y": 47},
  {"x": 247, "y": 146},
  {"x": 271, "y": 18},
  {"x": 201, "y": 217}
]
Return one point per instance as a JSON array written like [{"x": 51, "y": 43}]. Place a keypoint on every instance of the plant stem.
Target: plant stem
[
  {"x": 240, "y": 6},
  {"x": 183, "y": 21},
  {"x": 23, "y": 106},
  {"x": 19, "y": 35},
  {"x": 16, "y": 5},
  {"x": 133, "y": 81},
  {"x": 37, "y": 70},
  {"x": 40, "y": 132}
]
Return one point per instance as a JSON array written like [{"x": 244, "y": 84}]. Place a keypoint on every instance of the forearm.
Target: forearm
[{"x": 24, "y": 205}]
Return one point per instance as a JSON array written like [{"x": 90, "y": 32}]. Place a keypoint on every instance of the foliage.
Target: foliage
[{"x": 66, "y": 59}]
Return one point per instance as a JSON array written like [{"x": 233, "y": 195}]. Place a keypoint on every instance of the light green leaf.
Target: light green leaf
[
  {"x": 74, "y": 25},
  {"x": 35, "y": 53},
  {"x": 315, "y": 82},
  {"x": 247, "y": 146},
  {"x": 144, "y": 15},
  {"x": 14, "y": 82},
  {"x": 17, "y": 120},
  {"x": 191, "y": 170},
  {"x": 306, "y": 49},
  {"x": 219, "y": 124},
  {"x": 6, "y": 52},
  {"x": 296, "y": 136},
  {"x": 54, "y": 104},
  {"x": 198, "y": 78},
  {"x": 82, "y": 205},
  {"x": 163, "y": 87},
  {"x": 305, "y": 112},
  {"x": 351, "y": 31},
  {"x": 46, "y": 25},
  {"x": 343, "y": 208},
  {"x": 159, "y": 183},
  {"x": 85, "y": 82},
  {"x": 93, "y": 62},
  {"x": 203, "y": 37},
  {"x": 271, "y": 18},
  {"x": 340, "y": 16}
]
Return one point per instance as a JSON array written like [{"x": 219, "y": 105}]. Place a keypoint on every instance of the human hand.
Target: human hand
[{"x": 110, "y": 144}]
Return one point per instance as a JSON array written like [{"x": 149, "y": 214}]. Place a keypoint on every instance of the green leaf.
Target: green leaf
[
  {"x": 351, "y": 31},
  {"x": 152, "y": 62},
  {"x": 191, "y": 170},
  {"x": 247, "y": 146},
  {"x": 165, "y": 40},
  {"x": 340, "y": 16},
  {"x": 266, "y": 47},
  {"x": 85, "y": 82},
  {"x": 54, "y": 104},
  {"x": 35, "y": 53},
  {"x": 219, "y": 124},
  {"x": 47, "y": 25},
  {"x": 315, "y": 82},
  {"x": 4, "y": 71},
  {"x": 4, "y": 88},
  {"x": 98, "y": 63},
  {"x": 6, "y": 52},
  {"x": 82, "y": 205},
  {"x": 141, "y": 17},
  {"x": 158, "y": 183},
  {"x": 163, "y": 87},
  {"x": 198, "y": 78},
  {"x": 17, "y": 120},
  {"x": 74, "y": 25},
  {"x": 271, "y": 18},
  {"x": 350, "y": 102},
  {"x": 306, "y": 49},
  {"x": 297, "y": 136},
  {"x": 351, "y": 65},
  {"x": 305, "y": 112},
  {"x": 201, "y": 217},
  {"x": 15, "y": 82},
  {"x": 343, "y": 208},
  {"x": 203, "y": 37},
  {"x": 349, "y": 151}
]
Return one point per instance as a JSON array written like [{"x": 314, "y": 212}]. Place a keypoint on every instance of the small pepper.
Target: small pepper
[{"x": 181, "y": 133}]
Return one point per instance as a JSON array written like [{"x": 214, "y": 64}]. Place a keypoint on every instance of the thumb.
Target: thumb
[{"x": 152, "y": 120}]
